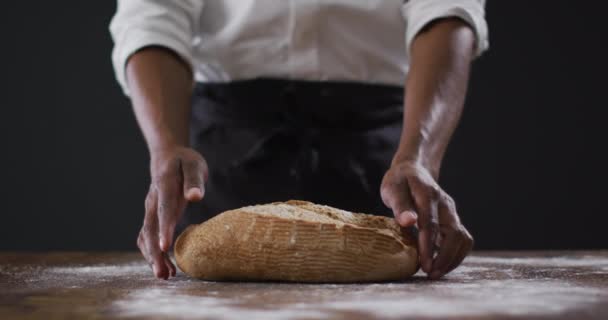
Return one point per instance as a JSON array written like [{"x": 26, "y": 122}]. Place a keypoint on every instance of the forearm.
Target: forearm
[
  {"x": 435, "y": 90},
  {"x": 161, "y": 88}
]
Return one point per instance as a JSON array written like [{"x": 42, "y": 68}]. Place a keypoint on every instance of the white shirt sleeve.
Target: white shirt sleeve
[
  {"x": 140, "y": 23},
  {"x": 418, "y": 13}
]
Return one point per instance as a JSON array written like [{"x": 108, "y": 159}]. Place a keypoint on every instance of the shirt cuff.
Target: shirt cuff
[
  {"x": 137, "y": 39},
  {"x": 418, "y": 13}
]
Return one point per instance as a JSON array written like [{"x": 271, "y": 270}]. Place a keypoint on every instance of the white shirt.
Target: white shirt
[{"x": 320, "y": 40}]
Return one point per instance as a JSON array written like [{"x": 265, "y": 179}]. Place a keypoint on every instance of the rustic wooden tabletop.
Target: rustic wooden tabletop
[{"x": 489, "y": 285}]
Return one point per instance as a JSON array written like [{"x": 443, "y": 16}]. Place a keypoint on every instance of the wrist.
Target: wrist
[
  {"x": 418, "y": 159},
  {"x": 165, "y": 140},
  {"x": 161, "y": 149}
]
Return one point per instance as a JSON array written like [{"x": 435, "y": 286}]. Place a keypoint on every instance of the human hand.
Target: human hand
[
  {"x": 178, "y": 176},
  {"x": 414, "y": 196}
]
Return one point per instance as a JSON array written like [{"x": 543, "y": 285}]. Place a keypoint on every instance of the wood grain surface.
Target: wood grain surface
[{"x": 489, "y": 285}]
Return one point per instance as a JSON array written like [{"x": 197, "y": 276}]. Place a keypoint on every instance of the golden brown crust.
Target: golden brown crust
[
  {"x": 362, "y": 220},
  {"x": 246, "y": 246}
]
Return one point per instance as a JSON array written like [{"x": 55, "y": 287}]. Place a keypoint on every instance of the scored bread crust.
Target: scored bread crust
[{"x": 297, "y": 241}]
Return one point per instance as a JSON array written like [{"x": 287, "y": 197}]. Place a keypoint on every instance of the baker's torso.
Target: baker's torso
[{"x": 362, "y": 40}]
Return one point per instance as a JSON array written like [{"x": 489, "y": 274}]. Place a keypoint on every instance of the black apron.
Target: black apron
[{"x": 269, "y": 140}]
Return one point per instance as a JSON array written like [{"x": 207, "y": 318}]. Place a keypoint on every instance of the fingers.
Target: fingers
[
  {"x": 169, "y": 264},
  {"x": 195, "y": 173},
  {"x": 168, "y": 181},
  {"x": 426, "y": 200},
  {"x": 396, "y": 195},
  {"x": 426, "y": 248},
  {"x": 148, "y": 239},
  {"x": 456, "y": 243},
  {"x": 448, "y": 252},
  {"x": 464, "y": 251},
  {"x": 169, "y": 209},
  {"x": 453, "y": 251}
]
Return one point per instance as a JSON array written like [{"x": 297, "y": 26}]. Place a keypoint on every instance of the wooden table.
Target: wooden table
[{"x": 489, "y": 285}]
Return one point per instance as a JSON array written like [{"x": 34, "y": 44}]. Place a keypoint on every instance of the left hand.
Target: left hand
[{"x": 411, "y": 191}]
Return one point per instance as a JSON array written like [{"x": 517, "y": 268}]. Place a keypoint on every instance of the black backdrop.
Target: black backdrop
[{"x": 524, "y": 166}]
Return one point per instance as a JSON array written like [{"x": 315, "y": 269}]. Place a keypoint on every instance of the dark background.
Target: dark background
[{"x": 524, "y": 166}]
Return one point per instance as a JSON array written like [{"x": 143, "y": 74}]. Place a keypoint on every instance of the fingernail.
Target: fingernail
[
  {"x": 407, "y": 218},
  {"x": 413, "y": 214},
  {"x": 194, "y": 193},
  {"x": 402, "y": 219}
]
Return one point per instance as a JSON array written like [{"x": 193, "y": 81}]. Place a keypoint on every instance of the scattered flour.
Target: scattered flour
[
  {"x": 164, "y": 303},
  {"x": 563, "y": 262},
  {"x": 103, "y": 270},
  {"x": 481, "y": 286},
  {"x": 465, "y": 294},
  {"x": 466, "y": 272},
  {"x": 510, "y": 297},
  {"x": 501, "y": 297}
]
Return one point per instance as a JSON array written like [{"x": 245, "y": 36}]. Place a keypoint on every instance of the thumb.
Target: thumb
[
  {"x": 401, "y": 203},
  {"x": 194, "y": 173}
]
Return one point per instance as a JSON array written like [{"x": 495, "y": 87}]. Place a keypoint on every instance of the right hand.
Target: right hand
[{"x": 178, "y": 177}]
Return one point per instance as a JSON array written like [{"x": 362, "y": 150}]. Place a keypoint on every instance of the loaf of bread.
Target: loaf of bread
[{"x": 296, "y": 241}]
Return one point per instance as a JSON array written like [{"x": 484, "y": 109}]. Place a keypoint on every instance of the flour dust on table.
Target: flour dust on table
[
  {"x": 499, "y": 285},
  {"x": 471, "y": 291}
]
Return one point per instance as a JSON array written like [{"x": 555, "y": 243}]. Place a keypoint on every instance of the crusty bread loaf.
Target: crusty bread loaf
[{"x": 296, "y": 241}]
